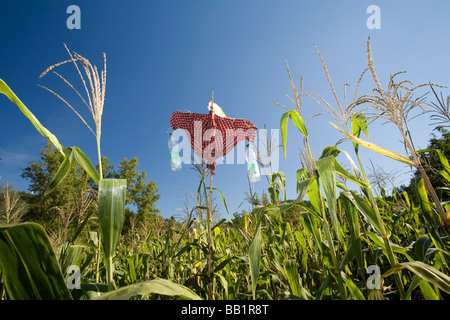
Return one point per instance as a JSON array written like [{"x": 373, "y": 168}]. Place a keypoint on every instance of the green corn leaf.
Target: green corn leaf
[
  {"x": 445, "y": 175},
  {"x": 297, "y": 120},
  {"x": 365, "y": 208},
  {"x": 330, "y": 151},
  {"x": 73, "y": 257},
  {"x": 187, "y": 247},
  {"x": 274, "y": 193},
  {"x": 424, "y": 271},
  {"x": 225, "y": 262},
  {"x": 446, "y": 172},
  {"x": 430, "y": 222},
  {"x": 281, "y": 182},
  {"x": 39, "y": 127},
  {"x": 427, "y": 212},
  {"x": 359, "y": 122},
  {"x": 354, "y": 290},
  {"x": 283, "y": 128},
  {"x": 111, "y": 213},
  {"x": 412, "y": 285},
  {"x": 131, "y": 269},
  {"x": 28, "y": 264},
  {"x": 155, "y": 286},
  {"x": 312, "y": 231},
  {"x": 349, "y": 255},
  {"x": 357, "y": 178},
  {"x": 333, "y": 151},
  {"x": 300, "y": 238},
  {"x": 299, "y": 123},
  {"x": 327, "y": 174},
  {"x": 313, "y": 193},
  {"x": 86, "y": 164},
  {"x": 223, "y": 199},
  {"x": 291, "y": 271},
  {"x": 410, "y": 255},
  {"x": 255, "y": 256},
  {"x": 64, "y": 168},
  {"x": 218, "y": 224},
  {"x": 311, "y": 210},
  {"x": 421, "y": 247},
  {"x": 442, "y": 158},
  {"x": 302, "y": 188},
  {"x": 352, "y": 214},
  {"x": 428, "y": 291},
  {"x": 374, "y": 147},
  {"x": 224, "y": 284}
]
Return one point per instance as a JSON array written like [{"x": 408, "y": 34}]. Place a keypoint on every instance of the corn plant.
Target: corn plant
[
  {"x": 111, "y": 205},
  {"x": 320, "y": 245},
  {"x": 320, "y": 174}
]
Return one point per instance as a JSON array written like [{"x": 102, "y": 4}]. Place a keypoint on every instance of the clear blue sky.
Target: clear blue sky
[{"x": 164, "y": 56}]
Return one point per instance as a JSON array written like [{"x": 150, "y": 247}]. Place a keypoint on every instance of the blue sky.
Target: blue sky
[{"x": 164, "y": 56}]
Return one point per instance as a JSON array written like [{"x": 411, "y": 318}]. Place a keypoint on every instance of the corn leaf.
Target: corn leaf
[
  {"x": 302, "y": 188},
  {"x": 290, "y": 268},
  {"x": 111, "y": 212},
  {"x": 357, "y": 178},
  {"x": 255, "y": 256},
  {"x": 223, "y": 199},
  {"x": 86, "y": 164},
  {"x": 353, "y": 288},
  {"x": 333, "y": 151},
  {"x": 330, "y": 151},
  {"x": 28, "y": 264},
  {"x": 298, "y": 122},
  {"x": 155, "y": 286},
  {"x": 327, "y": 174},
  {"x": 412, "y": 285},
  {"x": 63, "y": 169},
  {"x": 359, "y": 122},
  {"x": 39, "y": 127},
  {"x": 428, "y": 290},
  {"x": 73, "y": 257},
  {"x": 365, "y": 208},
  {"x": 410, "y": 255},
  {"x": 430, "y": 222},
  {"x": 442, "y": 158},
  {"x": 374, "y": 147},
  {"x": 352, "y": 214},
  {"x": 314, "y": 195},
  {"x": 424, "y": 271},
  {"x": 281, "y": 182},
  {"x": 283, "y": 127}
]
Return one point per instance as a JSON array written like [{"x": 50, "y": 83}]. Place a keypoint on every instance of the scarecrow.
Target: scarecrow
[{"x": 212, "y": 136}]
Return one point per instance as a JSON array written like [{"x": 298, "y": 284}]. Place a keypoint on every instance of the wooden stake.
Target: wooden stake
[{"x": 210, "y": 213}]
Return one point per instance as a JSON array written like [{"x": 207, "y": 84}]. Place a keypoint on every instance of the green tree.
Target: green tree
[
  {"x": 141, "y": 193},
  {"x": 40, "y": 174},
  {"x": 432, "y": 164}
]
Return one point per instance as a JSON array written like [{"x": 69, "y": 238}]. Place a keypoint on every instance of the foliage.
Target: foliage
[
  {"x": 433, "y": 166},
  {"x": 44, "y": 206},
  {"x": 12, "y": 206},
  {"x": 40, "y": 174},
  {"x": 330, "y": 242}
]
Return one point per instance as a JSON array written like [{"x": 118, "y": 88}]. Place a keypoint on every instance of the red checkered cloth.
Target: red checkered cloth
[{"x": 212, "y": 136}]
